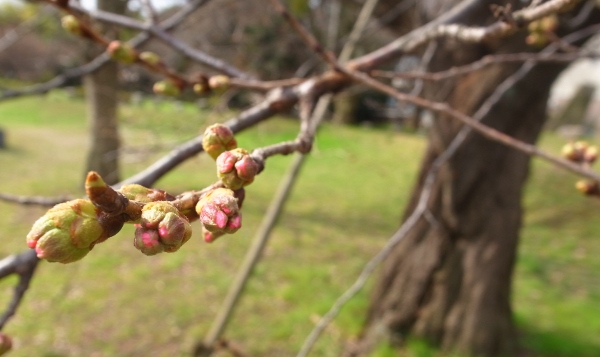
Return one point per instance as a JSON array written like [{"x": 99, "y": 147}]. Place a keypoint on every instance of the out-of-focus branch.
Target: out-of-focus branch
[
  {"x": 445, "y": 26},
  {"x": 97, "y": 62},
  {"x": 485, "y": 130},
  {"x": 168, "y": 39},
  {"x": 33, "y": 200},
  {"x": 484, "y": 62},
  {"x": 24, "y": 265}
]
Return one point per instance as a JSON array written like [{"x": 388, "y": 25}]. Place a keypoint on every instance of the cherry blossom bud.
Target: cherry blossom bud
[
  {"x": 122, "y": 52},
  {"x": 71, "y": 24},
  {"x": 219, "y": 211},
  {"x": 200, "y": 88},
  {"x": 166, "y": 88},
  {"x": 217, "y": 139},
  {"x": 148, "y": 241},
  {"x": 236, "y": 168},
  {"x": 5, "y": 343},
  {"x": 591, "y": 154},
  {"x": 588, "y": 187},
  {"x": 150, "y": 57},
  {"x": 67, "y": 232},
  {"x": 210, "y": 237},
  {"x": 161, "y": 228},
  {"x": 219, "y": 82}
]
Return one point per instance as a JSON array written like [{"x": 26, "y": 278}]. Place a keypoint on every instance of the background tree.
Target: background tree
[{"x": 102, "y": 101}]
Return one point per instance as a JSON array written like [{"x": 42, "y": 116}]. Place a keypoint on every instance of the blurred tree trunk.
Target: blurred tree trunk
[
  {"x": 102, "y": 100},
  {"x": 449, "y": 280}
]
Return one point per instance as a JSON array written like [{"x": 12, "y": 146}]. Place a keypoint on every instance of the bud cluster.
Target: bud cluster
[
  {"x": 69, "y": 231},
  {"x": 236, "y": 168},
  {"x": 162, "y": 228},
  {"x": 219, "y": 213},
  {"x": 584, "y": 154},
  {"x": 580, "y": 152}
]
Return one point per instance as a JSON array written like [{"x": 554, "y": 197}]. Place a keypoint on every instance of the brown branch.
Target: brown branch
[
  {"x": 306, "y": 36},
  {"x": 485, "y": 130},
  {"x": 33, "y": 200},
  {"x": 446, "y": 26},
  {"x": 168, "y": 39},
  {"x": 24, "y": 265},
  {"x": 484, "y": 62}
]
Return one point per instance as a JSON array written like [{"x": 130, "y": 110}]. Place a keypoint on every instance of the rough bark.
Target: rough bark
[
  {"x": 101, "y": 98},
  {"x": 449, "y": 281}
]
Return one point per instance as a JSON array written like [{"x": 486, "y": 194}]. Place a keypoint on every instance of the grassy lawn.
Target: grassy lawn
[{"x": 118, "y": 302}]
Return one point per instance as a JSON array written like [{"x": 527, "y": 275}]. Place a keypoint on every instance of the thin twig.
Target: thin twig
[
  {"x": 24, "y": 265},
  {"x": 33, "y": 200},
  {"x": 484, "y": 62},
  {"x": 168, "y": 39}
]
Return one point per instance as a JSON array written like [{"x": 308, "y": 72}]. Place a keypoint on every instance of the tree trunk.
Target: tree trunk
[
  {"x": 101, "y": 98},
  {"x": 449, "y": 280}
]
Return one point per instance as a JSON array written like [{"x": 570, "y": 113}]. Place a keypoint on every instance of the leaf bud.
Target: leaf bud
[
  {"x": 151, "y": 58},
  {"x": 67, "y": 232},
  {"x": 122, "y": 52},
  {"x": 71, "y": 24},
  {"x": 166, "y": 88}
]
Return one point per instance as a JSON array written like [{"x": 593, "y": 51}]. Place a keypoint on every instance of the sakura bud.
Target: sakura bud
[
  {"x": 217, "y": 139},
  {"x": 122, "y": 52}
]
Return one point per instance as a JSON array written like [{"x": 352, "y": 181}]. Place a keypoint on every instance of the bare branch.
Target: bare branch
[
  {"x": 446, "y": 26},
  {"x": 168, "y": 39},
  {"x": 33, "y": 200},
  {"x": 24, "y": 265},
  {"x": 484, "y": 62}
]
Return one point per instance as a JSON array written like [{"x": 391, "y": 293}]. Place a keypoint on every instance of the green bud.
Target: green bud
[
  {"x": 122, "y": 52},
  {"x": 150, "y": 57},
  {"x": 219, "y": 82},
  {"x": 72, "y": 25},
  {"x": 67, "y": 232},
  {"x": 217, "y": 139},
  {"x": 166, "y": 88}
]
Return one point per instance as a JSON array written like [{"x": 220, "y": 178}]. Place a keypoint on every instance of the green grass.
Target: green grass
[{"x": 117, "y": 302}]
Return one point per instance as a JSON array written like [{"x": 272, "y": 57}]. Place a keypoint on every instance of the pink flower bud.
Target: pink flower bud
[
  {"x": 162, "y": 228},
  {"x": 5, "y": 343},
  {"x": 219, "y": 211},
  {"x": 236, "y": 168},
  {"x": 148, "y": 241},
  {"x": 122, "y": 52},
  {"x": 217, "y": 139},
  {"x": 210, "y": 237},
  {"x": 67, "y": 232}
]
